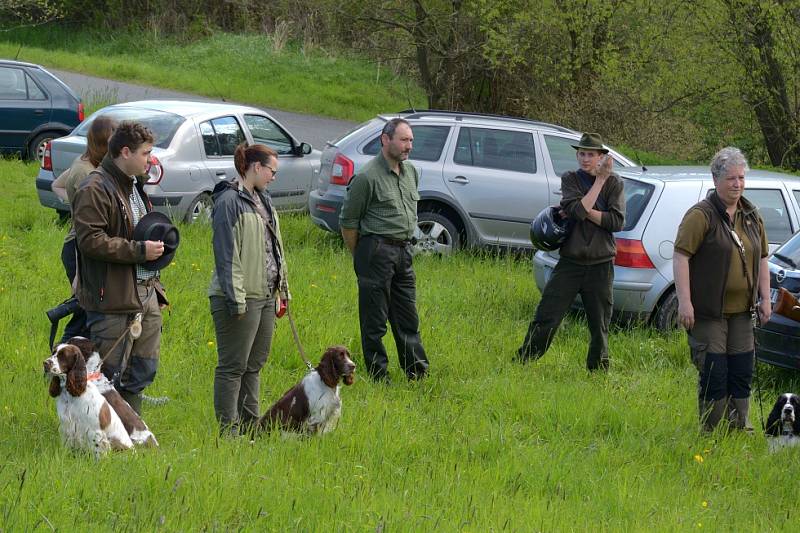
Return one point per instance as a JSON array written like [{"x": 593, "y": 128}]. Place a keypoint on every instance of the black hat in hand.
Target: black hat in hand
[{"x": 155, "y": 226}]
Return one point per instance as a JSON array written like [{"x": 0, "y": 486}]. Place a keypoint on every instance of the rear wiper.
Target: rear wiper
[{"x": 785, "y": 259}]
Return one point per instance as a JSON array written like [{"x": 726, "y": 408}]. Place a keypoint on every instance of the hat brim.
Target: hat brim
[
  {"x": 161, "y": 263},
  {"x": 599, "y": 149}
]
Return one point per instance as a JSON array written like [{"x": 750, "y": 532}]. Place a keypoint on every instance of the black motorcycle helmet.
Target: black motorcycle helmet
[{"x": 549, "y": 230}]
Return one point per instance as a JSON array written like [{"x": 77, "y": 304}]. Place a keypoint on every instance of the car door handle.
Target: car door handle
[
  {"x": 459, "y": 179},
  {"x": 38, "y": 111},
  {"x": 222, "y": 174}
]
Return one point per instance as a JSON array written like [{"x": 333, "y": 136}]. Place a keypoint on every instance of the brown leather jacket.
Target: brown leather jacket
[{"x": 107, "y": 257}]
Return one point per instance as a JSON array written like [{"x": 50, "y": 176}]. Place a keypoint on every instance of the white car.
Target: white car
[
  {"x": 656, "y": 200},
  {"x": 194, "y": 149}
]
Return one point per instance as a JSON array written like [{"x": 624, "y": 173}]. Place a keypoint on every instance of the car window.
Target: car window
[
  {"x": 796, "y": 196},
  {"x": 12, "y": 84},
  {"x": 562, "y": 154},
  {"x": 637, "y": 196},
  {"x": 162, "y": 124},
  {"x": 500, "y": 149},
  {"x": 772, "y": 208},
  {"x": 34, "y": 92},
  {"x": 221, "y": 136},
  {"x": 428, "y": 143},
  {"x": 265, "y": 131},
  {"x": 789, "y": 250}
]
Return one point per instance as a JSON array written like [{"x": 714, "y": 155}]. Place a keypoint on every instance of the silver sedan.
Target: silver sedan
[{"x": 195, "y": 142}]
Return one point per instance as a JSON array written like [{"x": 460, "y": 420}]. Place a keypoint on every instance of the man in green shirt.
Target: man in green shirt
[{"x": 378, "y": 219}]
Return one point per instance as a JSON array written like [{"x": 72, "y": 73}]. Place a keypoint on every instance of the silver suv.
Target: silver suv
[{"x": 483, "y": 178}]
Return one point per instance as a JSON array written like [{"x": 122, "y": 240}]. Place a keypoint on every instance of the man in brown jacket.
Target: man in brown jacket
[
  {"x": 114, "y": 285},
  {"x": 593, "y": 198}
]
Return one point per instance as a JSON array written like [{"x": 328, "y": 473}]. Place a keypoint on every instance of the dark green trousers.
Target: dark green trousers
[
  {"x": 387, "y": 291},
  {"x": 594, "y": 284}
]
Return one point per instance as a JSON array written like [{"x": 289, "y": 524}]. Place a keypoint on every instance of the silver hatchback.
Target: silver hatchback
[
  {"x": 657, "y": 199},
  {"x": 483, "y": 178},
  {"x": 195, "y": 142}
]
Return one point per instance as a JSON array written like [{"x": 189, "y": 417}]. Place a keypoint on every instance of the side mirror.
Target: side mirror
[{"x": 304, "y": 149}]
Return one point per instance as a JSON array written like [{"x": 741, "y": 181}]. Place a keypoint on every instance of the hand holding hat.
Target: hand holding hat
[{"x": 157, "y": 228}]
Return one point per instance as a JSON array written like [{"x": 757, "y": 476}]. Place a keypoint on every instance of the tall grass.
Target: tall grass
[
  {"x": 244, "y": 68},
  {"x": 482, "y": 444}
]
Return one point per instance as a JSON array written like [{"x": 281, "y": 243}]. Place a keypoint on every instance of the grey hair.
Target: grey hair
[
  {"x": 725, "y": 159},
  {"x": 390, "y": 127}
]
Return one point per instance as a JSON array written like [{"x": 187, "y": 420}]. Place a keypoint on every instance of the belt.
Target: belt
[{"x": 392, "y": 242}]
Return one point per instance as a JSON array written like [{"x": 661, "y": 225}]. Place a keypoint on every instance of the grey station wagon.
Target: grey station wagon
[
  {"x": 195, "y": 142},
  {"x": 644, "y": 288},
  {"x": 483, "y": 178}
]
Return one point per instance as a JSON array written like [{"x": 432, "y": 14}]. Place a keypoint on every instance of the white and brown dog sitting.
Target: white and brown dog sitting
[
  {"x": 313, "y": 406},
  {"x": 92, "y": 414},
  {"x": 783, "y": 422}
]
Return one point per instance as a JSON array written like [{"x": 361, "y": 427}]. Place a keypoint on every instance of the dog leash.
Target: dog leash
[
  {"x": 297, "y": 339},
  {"x": 755, "y": 372}
]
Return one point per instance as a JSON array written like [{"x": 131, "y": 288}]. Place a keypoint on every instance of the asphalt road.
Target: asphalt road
[{"x": 307, "y": 128}]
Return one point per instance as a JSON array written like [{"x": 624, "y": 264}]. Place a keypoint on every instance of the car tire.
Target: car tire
[
  {"x": 436, "y": 234},
  {"x": 36, "y": 148},
  {"x": 665, "y": 318},
  {"x": 200, "y": 209}
]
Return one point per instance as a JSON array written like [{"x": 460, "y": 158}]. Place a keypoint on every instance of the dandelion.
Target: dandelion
[
  {"x": 210, "y": 344},
  {"x": 699, "y": 458},
  {"x": 704, "y": 504},
  {"x": 699, "y": 524}
]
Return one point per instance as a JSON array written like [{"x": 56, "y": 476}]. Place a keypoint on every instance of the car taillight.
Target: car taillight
[
  {"x": 154, "y": 171},
  {"x": 47, "y": 161},
  {"x": 81, "y": 112},
  {"x": 631, "y": 254},
  {"x": 342, "y": 171}
]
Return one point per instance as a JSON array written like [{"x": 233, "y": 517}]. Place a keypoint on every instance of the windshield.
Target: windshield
[
  {"x": 162, "y": 124},
  {"x": 637, "y": 196},
  {"x": 789, "y": 252}
]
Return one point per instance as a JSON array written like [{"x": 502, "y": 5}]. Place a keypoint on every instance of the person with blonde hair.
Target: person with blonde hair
[{"x": 64, "y": 187}]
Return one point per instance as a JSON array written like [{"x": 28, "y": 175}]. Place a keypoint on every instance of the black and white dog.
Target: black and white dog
[{"x": 783, "y": 423}]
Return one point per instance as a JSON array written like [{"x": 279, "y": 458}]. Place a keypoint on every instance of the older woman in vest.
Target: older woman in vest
[{"x": 722, "y": 281}]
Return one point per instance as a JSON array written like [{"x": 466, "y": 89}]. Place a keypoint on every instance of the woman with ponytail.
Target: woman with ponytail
[{"x": 248, "y": 285}]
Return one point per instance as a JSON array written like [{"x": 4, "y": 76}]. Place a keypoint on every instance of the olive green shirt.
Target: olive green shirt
[
  {"x": 692, "y": 232},
  {"x": 381, "y": 202}
]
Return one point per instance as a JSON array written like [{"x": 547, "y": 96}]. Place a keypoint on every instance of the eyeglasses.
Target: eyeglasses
[{"x": 274, "y": 170}]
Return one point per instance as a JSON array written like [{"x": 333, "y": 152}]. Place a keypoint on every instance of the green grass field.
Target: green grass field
[
  {"x": 482, "y": 444},
  {"x": 243, "y": 68}
]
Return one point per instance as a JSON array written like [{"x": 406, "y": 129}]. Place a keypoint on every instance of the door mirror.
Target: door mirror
[{"x": 304, "y": 149}]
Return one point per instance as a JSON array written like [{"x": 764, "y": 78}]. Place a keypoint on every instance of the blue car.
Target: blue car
[{"x": 35, "y": 108}]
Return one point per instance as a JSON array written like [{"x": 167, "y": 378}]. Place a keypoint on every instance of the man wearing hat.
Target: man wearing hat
[
  {"x": 593, "y": 198},
  {"x": 121, "y": 247}
]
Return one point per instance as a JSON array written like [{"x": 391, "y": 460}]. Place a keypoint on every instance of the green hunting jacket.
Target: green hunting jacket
[{"x": 240, "y": 254}]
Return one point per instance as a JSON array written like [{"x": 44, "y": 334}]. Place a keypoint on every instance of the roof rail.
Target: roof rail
[{"x": 419, "y": 113}]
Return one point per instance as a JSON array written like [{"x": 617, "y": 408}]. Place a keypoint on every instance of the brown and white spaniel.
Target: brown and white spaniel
[
  {"x": 138, "y": 431},
  {"x": 313, "y": 406},
  {"x": 783, "y": 422},
  {"x": 87, "y": 421}
]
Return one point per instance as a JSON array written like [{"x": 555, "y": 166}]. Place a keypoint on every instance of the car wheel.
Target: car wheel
[
  {"x": 37, "y": 146},
  {"x": 200, "y": 209},
  {"x": 436, "y": 234},
  {"x": 665, "y": 318}
]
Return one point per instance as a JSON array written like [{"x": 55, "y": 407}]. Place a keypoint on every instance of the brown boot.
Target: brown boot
[
  {"x": 740, "y": 412},
  {"x": 712, "y": 412}
]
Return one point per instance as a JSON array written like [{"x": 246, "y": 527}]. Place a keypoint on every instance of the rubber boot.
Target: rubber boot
[
  {"x": 133, "y": 399},
  {"x": 712, "y": 412},
  {"x": 740, "y": 414}
]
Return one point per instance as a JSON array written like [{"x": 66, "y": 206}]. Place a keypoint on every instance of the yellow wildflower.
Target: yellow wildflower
[{"x": 698, "y": 458}]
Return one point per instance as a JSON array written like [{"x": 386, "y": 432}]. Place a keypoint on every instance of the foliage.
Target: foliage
[
  {"x": 482, "y": 444},
  {"x": 239, "y": 68}
]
